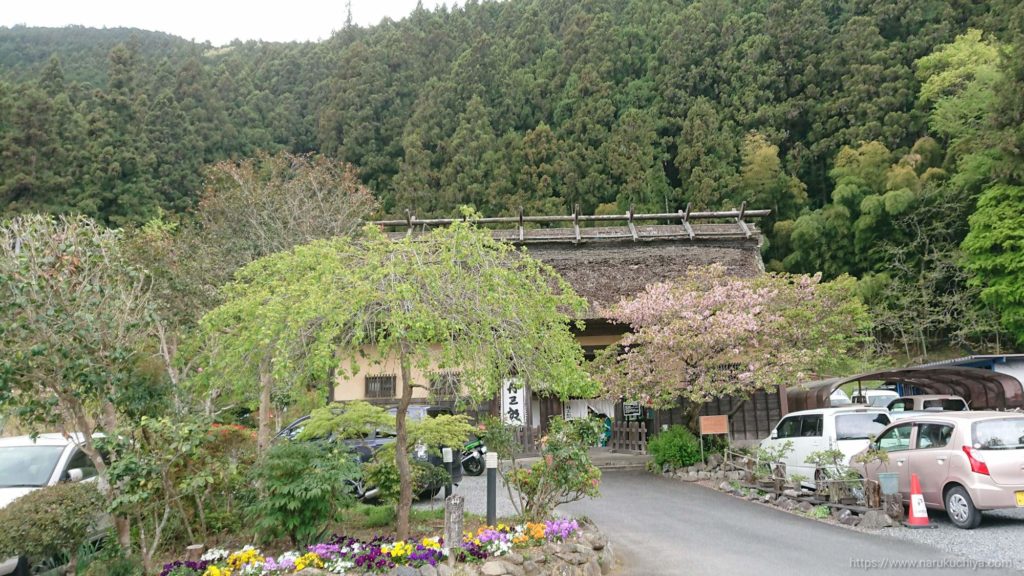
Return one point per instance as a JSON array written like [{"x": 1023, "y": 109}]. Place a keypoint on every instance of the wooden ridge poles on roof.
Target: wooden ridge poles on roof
[{"x": 630, "y": 218}]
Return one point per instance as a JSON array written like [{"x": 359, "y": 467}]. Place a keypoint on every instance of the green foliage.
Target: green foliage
[
  {"x": 378, "y": 516},
  {"x": 830, "y": 465},
  {"x": 353, "y": 420},
  {"x": 302, "y": 486},
  {"x": 115, "y": 565},
  {"x": 382, "y": 473},
  {"x": 50, "y": 519},
  {"x": 768, "y": 459},
  {"x": 677, "y": 447},
  {"x": 995, "y": 254},
  {"x": 563, "y": 473},
  {"x": 820, "y": 512}
]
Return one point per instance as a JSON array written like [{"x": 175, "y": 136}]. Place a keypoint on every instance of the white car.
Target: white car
[
  {"x": 874, "y": 397},
  {"x": 847, "y": 429},
  {"x": 27, "y": 465}
]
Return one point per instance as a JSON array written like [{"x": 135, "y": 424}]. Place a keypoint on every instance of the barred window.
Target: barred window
[
  {"x": 380, "y": 386},
  {"x": 445, "y": 385}
]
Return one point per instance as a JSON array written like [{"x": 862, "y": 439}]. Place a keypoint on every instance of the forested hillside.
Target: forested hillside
[{"x": 870, "y": 128}]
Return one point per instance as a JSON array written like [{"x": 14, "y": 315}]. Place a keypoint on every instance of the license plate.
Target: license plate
[{"x": 1020, "y": 499}]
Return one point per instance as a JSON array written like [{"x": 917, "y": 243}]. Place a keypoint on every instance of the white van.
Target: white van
[{"x": 847, "y": 429}]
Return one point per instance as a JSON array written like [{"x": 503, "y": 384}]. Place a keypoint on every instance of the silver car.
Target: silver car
[{"x": 966, "y": 462}]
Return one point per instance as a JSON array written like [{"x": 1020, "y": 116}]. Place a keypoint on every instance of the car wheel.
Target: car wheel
[{"x": 960, "y": 509}]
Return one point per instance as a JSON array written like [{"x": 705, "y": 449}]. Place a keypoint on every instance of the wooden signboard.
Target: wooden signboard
[
  {"x": 710, "y": 425},
  {"x": 714, "y": 425}
]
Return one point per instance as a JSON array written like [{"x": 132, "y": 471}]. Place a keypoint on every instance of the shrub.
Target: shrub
[
  {"x": 382, "y": 473},
  {"x": 302, "y": 487},
  {"x": 54, "y": 518},
  {"x": 564, "y": 473},
  {"x": 677, "y": 447}
]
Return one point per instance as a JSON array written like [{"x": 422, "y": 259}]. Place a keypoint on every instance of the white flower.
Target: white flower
[
  {"x": 214, "y": 555},
  {"x": 338, "y": 566}
]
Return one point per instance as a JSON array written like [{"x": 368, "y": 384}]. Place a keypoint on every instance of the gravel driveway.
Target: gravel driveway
[
  {"x": 1000, "y": 536},
  {"x": 474, "y": 490}
]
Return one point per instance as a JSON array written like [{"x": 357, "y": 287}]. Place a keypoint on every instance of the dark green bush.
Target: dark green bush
[
  {"x": 302, "y": 486},
  {"x": 677, "y": 447},
  {"x": 50, "y": 520},
  {"x": 381, "y": 472}
]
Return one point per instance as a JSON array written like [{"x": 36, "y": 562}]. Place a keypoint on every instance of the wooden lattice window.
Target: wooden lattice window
[{"x": 380, "y": 386}]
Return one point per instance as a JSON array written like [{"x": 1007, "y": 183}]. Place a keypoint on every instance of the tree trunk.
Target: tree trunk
[
  {"x": 402, "y": 449},
  {"x": 266, "y": 387},
  {"x": 693, "y": 417}
]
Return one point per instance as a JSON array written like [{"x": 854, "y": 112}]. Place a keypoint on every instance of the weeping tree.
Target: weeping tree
[
  {"x": 708, "y": 335},
  {"x": 453, "y": 298}
]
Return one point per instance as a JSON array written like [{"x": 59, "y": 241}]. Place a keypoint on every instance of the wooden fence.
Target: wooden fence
[{"x": 629, "y": 437}]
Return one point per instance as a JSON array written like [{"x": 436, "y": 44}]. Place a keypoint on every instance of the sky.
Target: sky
[{"x": 217, "y": 21}]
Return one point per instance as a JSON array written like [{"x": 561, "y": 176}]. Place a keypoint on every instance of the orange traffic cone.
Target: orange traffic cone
[{"x": 917, "y": 516}]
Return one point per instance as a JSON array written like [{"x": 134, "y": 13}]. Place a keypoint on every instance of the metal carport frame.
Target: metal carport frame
[{"x": 982, "y": 389}]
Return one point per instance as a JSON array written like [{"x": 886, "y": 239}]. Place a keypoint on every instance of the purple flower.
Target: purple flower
[{"x": 181, "y": 565}]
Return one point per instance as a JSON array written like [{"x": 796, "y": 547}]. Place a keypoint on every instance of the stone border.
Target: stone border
[
  {"x": 713, "y": 475},
  {"x": 587, "y": 554}
]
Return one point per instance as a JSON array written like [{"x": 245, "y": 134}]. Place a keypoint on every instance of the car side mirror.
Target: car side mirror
[
  {"x": 74, "y": 475},
  {"x": 775, "y": 434}
]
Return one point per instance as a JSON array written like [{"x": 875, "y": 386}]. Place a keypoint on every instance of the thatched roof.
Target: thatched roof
[{"x": 605, "y": 262}]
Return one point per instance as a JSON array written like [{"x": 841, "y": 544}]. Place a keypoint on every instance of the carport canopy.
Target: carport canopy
[{"x": 982, "y": 389}]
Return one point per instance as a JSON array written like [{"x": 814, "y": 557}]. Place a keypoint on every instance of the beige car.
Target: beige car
[{"x": 965, "y": 461}]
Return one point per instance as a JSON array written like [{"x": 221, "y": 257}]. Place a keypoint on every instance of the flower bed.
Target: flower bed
[{"x": 347, "y": 555}]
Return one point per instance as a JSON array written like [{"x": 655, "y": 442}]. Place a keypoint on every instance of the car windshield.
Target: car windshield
[
  {"x": 860, "y": 426},
  {"x": 945, "y": 405},
  {"x": 27, "y": 466},
  {"x": 1004, "y": 434}
]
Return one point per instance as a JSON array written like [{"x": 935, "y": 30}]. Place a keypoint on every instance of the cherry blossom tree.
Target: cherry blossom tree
[{"x": 709, "y": 335}]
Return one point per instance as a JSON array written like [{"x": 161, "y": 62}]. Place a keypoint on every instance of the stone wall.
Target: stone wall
[{"x": 587, "y": 554}]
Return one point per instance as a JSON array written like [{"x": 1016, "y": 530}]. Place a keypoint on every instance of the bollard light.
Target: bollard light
[
  {"x": 491, "y": 461},
  {"x": 446, "y": 457}
]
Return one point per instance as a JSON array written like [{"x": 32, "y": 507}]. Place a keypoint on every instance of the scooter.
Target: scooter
[{"x": 473, "y": 457}]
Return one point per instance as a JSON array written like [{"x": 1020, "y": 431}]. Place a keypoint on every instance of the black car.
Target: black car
[{"x": 367, "y": 446}]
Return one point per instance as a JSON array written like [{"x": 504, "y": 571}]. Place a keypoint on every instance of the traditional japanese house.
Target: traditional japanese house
[{"x": 605, "y": 258}]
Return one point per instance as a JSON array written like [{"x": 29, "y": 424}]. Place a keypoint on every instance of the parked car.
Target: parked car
[
  {"x": 364, "y": 448},
  {"x": 839, "y": 398},
  {"x": 928, "y": 403},
  {"x": 848, "y": 429},
  {"x": 966, "y": 462},
  {"x": 28, "y": 464},
  {"x": 874, "y": 397}
]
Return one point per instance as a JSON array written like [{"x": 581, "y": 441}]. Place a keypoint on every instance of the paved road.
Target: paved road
[{"x": 664, "y": 527}]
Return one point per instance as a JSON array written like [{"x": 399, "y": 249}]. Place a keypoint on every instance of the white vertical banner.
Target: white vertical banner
[{"x": 513, "y": 402}]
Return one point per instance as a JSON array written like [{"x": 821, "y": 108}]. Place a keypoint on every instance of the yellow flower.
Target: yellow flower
[
  {"x": 244, "y": 557},
  {"x": 215, "y": 571},
  {"x": 431, "y": 543},
  {"x": 307, "y": 560}
]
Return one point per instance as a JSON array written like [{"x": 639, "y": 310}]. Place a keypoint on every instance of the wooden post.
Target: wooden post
[
  {"x": 194, "y": 552},
  {"x": 453, "y": 509},
  {"x": 872, "y": 494}
]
